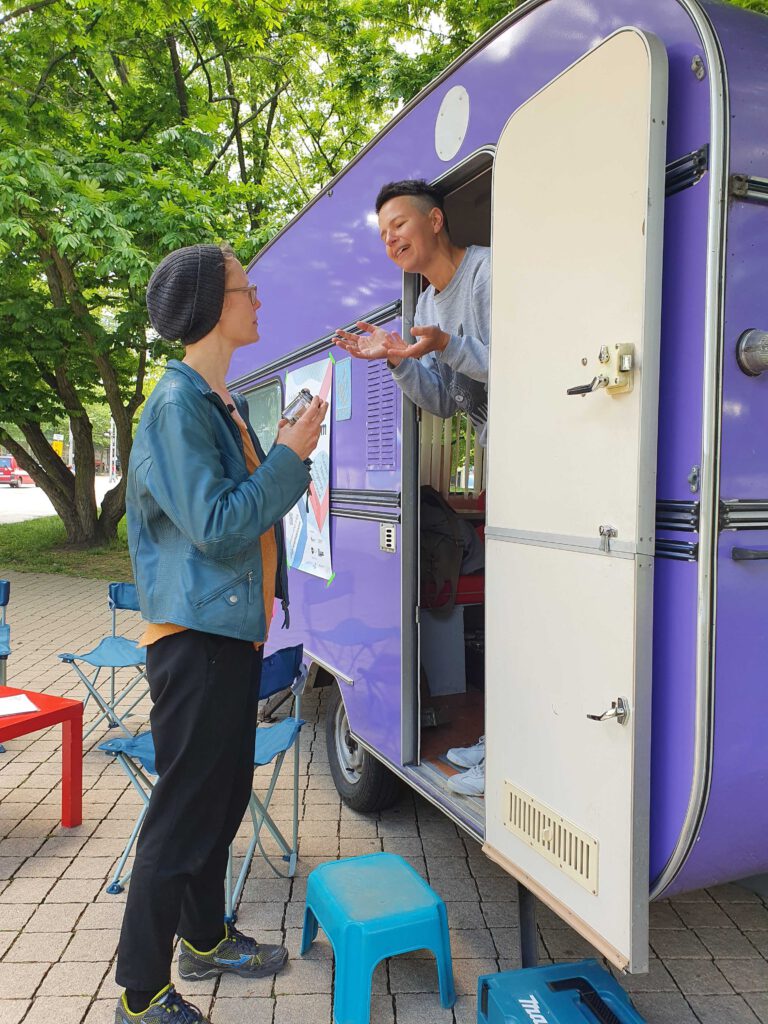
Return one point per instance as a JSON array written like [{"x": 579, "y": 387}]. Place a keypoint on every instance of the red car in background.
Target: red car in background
[{"x": 12, "y": 474}]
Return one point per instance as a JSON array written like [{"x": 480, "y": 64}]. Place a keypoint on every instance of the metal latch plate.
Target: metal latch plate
[{"x": 387, "y": 537}]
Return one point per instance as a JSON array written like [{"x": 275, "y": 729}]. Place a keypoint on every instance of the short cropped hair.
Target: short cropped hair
[{"x": 425, "y": 195}]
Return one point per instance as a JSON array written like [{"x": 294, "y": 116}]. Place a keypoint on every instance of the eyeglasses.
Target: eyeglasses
[{"x": 250, "y": 288}]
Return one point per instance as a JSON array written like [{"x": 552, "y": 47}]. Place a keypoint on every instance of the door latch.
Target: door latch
[
  {"x": 606, "y": 532},
  {"x": 601, "y": 381},
  {"x": 615, "y": 372},
  {"x": 619, "y": 710}
]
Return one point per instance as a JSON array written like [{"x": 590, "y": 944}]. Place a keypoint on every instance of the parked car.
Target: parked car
[{"x": 12, "y": 474}]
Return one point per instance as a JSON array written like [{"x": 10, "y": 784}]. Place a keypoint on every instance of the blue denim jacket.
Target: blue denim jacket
[{"x": 195, "y": 513}]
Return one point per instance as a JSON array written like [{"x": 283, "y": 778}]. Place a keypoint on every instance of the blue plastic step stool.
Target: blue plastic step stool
[
  {"x": 370, "y": 908},
  {"x": 573, "y": 993}
]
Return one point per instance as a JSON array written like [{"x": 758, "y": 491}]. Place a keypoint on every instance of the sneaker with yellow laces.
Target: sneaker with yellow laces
[
  {"x": 167, "y": 1007},
  {"x": 235, "y": 954}
]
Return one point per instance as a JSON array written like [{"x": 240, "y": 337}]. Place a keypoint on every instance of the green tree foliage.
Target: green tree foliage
[
  {"x": 128, "y": 129},
  {"x": 131, "y": 127}
]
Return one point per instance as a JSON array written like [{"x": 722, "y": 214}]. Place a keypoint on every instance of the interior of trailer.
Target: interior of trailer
[{"x": 452, "y": 616}]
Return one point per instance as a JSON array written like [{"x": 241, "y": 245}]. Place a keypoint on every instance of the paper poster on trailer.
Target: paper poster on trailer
[{"x": 307, "y": 525}]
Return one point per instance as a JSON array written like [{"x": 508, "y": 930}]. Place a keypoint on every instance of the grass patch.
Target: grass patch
[{"x": 40, "y": 545}]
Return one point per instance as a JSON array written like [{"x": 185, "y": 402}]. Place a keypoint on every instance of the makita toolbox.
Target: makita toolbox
[{"x": 574, "y": 993}]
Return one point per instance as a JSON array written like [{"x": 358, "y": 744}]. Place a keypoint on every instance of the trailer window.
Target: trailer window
[{"x": 264, "y": 407}]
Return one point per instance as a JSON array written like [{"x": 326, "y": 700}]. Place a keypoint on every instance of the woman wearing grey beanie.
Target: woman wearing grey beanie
[{"x": 204, "y": 508}]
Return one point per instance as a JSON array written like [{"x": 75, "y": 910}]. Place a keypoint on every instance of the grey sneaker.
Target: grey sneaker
[
  {"x": 467, "y": 757},
  {"x": 235, "y": 954},
  {"x": 166, "y": 1008},
  {"x": 470, "y": 782}
]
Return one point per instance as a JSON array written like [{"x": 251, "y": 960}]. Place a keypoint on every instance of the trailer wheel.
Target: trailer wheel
[{"x": 363, "y": 783}]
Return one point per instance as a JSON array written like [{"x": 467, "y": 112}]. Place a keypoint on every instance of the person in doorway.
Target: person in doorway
[
  {"x": 446, "y": 369},
  {"x": 204, "y": 506}
]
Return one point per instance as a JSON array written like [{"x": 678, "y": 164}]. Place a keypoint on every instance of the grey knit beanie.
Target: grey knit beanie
[{"x": 185, "y": 294}]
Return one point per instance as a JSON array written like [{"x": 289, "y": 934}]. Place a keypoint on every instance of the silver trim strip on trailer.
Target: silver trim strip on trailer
[
  {"x": 309, "y": 656},
  {"x": 744, "y": 515},
  {"x": 677, "y": 515},
  {"x": 599, "y": 545},
  {"x": 380, "y": 315},
  {"x": 678, "y": 550},
  {"x": 388, "y": 499},
  {"x": 710, "y": 455},
  {"x": 466, "y": 170},
  {"x": 686, "y": 171},
  {"x": 411, "y": 776},
  {"x": 359, "y": 513}
]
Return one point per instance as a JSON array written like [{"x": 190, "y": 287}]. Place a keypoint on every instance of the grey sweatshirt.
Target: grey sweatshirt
[{"x": 455, "y": 379}]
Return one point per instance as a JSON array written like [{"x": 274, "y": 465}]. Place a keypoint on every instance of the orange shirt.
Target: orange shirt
[{"x": 156, "y": 630}]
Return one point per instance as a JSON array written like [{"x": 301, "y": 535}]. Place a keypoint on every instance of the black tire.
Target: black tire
[{"x": 363, "y": 783}]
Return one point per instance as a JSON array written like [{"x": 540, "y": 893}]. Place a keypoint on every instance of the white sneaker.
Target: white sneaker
[
  {"x": 470, "y": 782},
  {"x": 467, "y": 757}
]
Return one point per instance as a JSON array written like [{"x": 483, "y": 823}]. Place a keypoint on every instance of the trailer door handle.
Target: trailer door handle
[
  {"x": 619, "y": 710},
  {"x": 749, "y": 554},
  {"x": 595, "y": 384}
]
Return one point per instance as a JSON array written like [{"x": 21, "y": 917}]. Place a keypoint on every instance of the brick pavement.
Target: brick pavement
[{"x": 59, "y": 928}]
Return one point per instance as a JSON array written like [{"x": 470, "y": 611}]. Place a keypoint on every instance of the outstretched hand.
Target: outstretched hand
[
  {"x": 431, "y": 339},
  {"x": 375, "y": 344}
]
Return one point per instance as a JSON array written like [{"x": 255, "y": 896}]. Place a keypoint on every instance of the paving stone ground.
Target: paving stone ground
[{"x": 59, "y": 928}]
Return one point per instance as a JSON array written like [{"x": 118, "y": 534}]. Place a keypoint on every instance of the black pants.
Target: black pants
[{"x": 205, "y": 692}]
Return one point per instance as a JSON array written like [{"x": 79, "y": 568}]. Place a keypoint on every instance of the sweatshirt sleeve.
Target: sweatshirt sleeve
[
  {"x": 217, "y": 515},
  {"x": 467, "y": 354},
  {"x": 420, "y": 380}
]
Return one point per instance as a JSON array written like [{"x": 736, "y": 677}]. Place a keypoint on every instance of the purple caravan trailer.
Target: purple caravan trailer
[{"x": 614, "y": 153}]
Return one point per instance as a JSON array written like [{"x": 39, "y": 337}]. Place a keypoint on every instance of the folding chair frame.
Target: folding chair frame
[
  {"x": 142, "y": 782},
  {"x": 261, "y": 817},
  {"x": 109, "y": 707}
]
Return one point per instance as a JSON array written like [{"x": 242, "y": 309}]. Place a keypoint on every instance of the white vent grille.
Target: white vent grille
[
  {"x": 381, "y": 425},
  {"x": 556, "y": 839}
]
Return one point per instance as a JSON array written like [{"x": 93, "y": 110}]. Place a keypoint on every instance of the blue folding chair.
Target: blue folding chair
[
  {"x": 113, "y": 653},
  {"x": 5, "y": 629},
  {"x": 282, "y": 670},
  {"x": 5, "y": 635}
]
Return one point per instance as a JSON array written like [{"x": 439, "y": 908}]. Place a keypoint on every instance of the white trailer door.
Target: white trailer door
[{"x": 578, "y": 201}]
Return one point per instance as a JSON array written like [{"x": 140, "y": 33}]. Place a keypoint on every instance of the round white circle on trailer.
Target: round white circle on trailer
[{"x": 452, "y": 122}]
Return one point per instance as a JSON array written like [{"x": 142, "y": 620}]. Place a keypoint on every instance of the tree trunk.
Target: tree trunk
[{"x": 73, "y": 497}]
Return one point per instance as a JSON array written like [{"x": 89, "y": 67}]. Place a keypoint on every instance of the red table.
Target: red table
[{"x": 52, "y": 711}]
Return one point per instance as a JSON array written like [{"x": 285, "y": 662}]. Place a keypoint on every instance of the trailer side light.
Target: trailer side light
[{"x": 752, "y": 352}]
